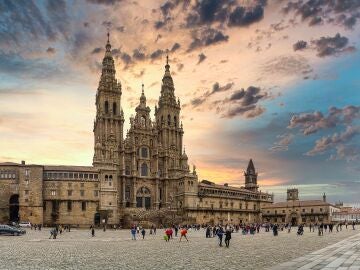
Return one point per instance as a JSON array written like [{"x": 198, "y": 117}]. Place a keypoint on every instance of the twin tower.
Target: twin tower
[{"x": 141, "y": 169}]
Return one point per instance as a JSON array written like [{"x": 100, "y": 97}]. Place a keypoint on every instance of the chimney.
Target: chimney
[{"x": 23, "y": 162}]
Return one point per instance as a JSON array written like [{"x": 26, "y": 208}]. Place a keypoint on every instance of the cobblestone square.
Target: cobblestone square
[{"x": 115, "y": 250}]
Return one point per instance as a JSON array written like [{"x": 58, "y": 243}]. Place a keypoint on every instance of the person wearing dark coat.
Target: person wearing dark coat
[
  {"x": 227, "y": 237},
  {"x": 275, "y": 229},
  {"x": 220, "y": 234}
]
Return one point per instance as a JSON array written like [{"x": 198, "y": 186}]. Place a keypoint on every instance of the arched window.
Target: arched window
[
  {"x": 127, "y": 170},
  {"x": 169, "y": 119},
  {"x": 114, "y": 108},
  {"x": 106, "y": 177},
  {"x": 144, "y": 169},
  {"x": 143, "y": 122},
  {"x": 144, "y": 152},
  {"x": 106, "y": 107},
  {"x": 175, "y": 121}
]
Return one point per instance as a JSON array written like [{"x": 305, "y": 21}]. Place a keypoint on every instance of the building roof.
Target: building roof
[
  {"x": 250, "y": 167},
  {"x": 70, "y": 168},
  {"x": 209, "y": 184},
  {"x": 8, "y": 163},
  {"x": 298, "y": 203}
]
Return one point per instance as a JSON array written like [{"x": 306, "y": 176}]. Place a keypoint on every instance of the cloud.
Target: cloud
[
  {"x": 243, "y": 103},
  {"x": 104, "y": 2},
  {"x": 216, "y": 88},
  {"x": 327, "y": 46},
  {"x": 310, "y": 123},
  {"x": 156, "y": 54},
  {"x": 228, "y": 12},
  {"x": 287, "y": 65},
  {"x": 283, "y": 143},
  {"x": 300, "y": 45},
  {"x": 242, "y": 17},
  {"x": 97, "y": 50},
  {"x": 138, "y": 55},
  {"x": 207, "y": 37},
  {"x": 175, "y": 47},
  {"x": 336, "y": 140},
  {"x": 202, "y": 57},
  {"x": 51, "y": 50},
  {"x": 47, "y": 22},
  {"x": 316, "y": 12},
  {"x": 16, "y": 65}
]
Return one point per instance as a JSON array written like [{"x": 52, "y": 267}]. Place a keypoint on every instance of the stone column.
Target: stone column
[
  {"x": 123, "y": 190},
  {"x": 134, "y": 193}
]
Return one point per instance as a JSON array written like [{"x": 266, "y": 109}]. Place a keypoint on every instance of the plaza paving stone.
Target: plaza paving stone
[
  {"x": 115, "y": 250},
  {"x": 344, "y": 255}
]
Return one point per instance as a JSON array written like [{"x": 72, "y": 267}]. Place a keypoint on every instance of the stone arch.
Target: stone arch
[{"x": 14, "y": 208}]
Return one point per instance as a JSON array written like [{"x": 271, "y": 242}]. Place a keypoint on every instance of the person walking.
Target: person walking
[
  {"x": 275, "y": 229},
  {"x": 208, "y": 232},
  {"x": 143, "y": 232},
  {"x": 227, "y": 237},
  {"x": 92, "y": 228},
  {"x": 220, "y": 233},
  {"x": 183, "y": 233},
  {"x": 133, "y": 233}
]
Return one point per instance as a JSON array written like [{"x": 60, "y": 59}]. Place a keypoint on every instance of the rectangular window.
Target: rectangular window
[
  {"x": 27, "y": 172},
  {"x": 91, "y": 176},
  {"x": 95, "y": 176},
  {"x": 82, "y": 192},
  {"x": 71, "y": 175},
  {"x": 26, "y": 192},
  {"x": 66, "y": 175},
  {"x": 76, "y": 175},
  {"x": 81, "y": 175},
  {"x": 86, "y": 175},
  {"x": 83, "y": 206},
  {"x": 96, "y": 193},
  {"x": 69, "y": 192},
  {"x": 69, "y": 206}
]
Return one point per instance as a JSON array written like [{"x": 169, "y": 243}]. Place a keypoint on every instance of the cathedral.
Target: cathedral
[{"x": 142, "y": 176}]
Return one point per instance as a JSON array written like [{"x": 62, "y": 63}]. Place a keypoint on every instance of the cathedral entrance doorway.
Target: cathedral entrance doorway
[
  {"x": 97, "y": 219},
  {"x": 14, "y": 208},
  {"x": 143, "y": 198},
  {"x": 293, "y": 221}
]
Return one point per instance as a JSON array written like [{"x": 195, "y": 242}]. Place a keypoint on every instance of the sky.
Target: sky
[{"x": 275, "y": 81}]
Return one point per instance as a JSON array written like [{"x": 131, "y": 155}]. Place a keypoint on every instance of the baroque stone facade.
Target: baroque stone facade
[
  {"x": 143, "y": 174},
  {"x": 295, "y": 211}
]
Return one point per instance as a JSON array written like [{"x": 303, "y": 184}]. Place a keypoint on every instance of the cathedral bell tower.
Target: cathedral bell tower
[
  {"x": 251, "y": 177},
  {"x": 109, "y": 120},
  {"x": 170, "y": 130}
]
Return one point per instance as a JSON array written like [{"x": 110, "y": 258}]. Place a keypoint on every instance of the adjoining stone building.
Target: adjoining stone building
[
  {"x": 295, "y": 211},
  {"x": 142, "y": 175}
]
